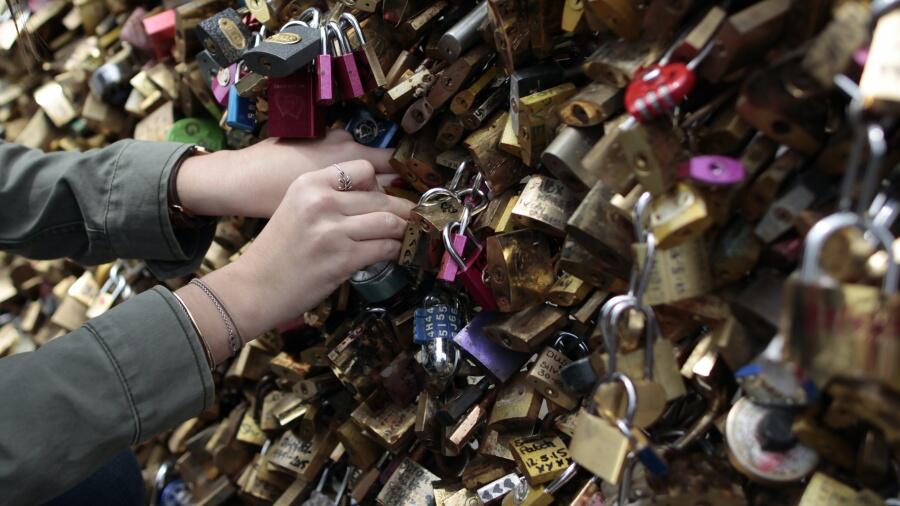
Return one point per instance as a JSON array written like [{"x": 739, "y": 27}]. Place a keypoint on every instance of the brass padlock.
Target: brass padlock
[
  {"x": 519, "y": 268},
  {"x": 527, "y": 329},
  {"x": 679, "y": 216}
]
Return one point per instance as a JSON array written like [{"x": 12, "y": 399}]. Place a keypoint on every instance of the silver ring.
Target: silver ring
[{"x": 345, "y": 184}]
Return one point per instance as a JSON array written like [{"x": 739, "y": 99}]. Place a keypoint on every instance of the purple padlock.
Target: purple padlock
[
  {"x": 713, "y": 170},
  {"x": 499, "y": 362},
  {"x": 222, "y": 83}
]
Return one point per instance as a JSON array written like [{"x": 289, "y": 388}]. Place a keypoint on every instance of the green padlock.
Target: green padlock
[{"x": 202, "y": 132}]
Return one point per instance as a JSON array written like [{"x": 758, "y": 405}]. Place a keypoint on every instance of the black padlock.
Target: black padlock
[
  {"x": 207, "y": 66},
  {"x": 110, "y": 82},
  {"x": 285, "y": 52},
  {"x": 225, "y": 36}
]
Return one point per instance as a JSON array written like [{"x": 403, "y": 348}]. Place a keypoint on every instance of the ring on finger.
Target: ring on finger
[{"x": 344, "y": 182}]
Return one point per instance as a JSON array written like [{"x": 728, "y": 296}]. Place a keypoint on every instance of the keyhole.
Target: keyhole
[{"x": 579, "y": 113}]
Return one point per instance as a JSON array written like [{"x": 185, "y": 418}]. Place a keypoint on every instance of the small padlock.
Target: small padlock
[
  {"x": 679, "y": 216},
  {"x": 366, "y": 59},
  {"x": 346, "y": 68},
  {"x": 241, "y": 112},
  {"x": 324, "y": 64},
  {"x": 285, "y": 52},
  {"x": 464, "y": 34},
  {"x": 545, "y": 375},
  {"x": 599, "y": 446},
  {"x": 223, "y": 82},
  {"x": 371, "y": 131}
]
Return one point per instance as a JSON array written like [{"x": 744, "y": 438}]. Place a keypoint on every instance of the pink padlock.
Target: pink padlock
[
  {"x": 222, "y": 83},
  {"x": 468, "y": 271},
  {"x": 713, "y": 170}
]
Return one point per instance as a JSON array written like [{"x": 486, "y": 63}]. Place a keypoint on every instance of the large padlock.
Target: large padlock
[
  {"x": 285, "y": 52},
  {"x": 293, "y": 112},
  {"x": 225, "y": 36}
]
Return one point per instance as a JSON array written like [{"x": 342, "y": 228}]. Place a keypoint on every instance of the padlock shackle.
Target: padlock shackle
[
  {"x": 631, "y": 397},
  {"x": 341, "y": 37},
  {"x": 457, "y": 175},
  {"x": 563, "y": 335},
  {"x": 351, "y": 20},
  {"x": 323, "y": 36},
  {"x": 638, "y": 214},
  {"x": 650, "y": 330},
  {"x": 311, "y": 15},
  {"x": 810, "y": 270},
  {"x": 608, "y": 333},
  {"x": 561, "y": 480}
]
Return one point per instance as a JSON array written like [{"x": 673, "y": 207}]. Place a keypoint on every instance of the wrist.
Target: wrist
[{"x": 203, "y": 184}]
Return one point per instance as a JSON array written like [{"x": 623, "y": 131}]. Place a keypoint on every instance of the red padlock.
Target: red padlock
[
  {"x": 293, "y": 112},
  {"x": 467, "y": 270},
  {"x": 161, "y": 30},
  {"x": 345, "y": 67},
  {"x": 658, "y": 89}
]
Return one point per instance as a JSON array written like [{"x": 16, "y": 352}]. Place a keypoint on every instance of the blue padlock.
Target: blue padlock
[
  {"x": 241, "y": 111},
  {"x": 371, "y": 131}
]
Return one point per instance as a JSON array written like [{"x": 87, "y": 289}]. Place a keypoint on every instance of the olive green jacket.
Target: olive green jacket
[{"x": 126, "y": 376}]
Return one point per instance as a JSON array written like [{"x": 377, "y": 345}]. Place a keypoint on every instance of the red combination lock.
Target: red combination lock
[{"x": 658, "y": 89}]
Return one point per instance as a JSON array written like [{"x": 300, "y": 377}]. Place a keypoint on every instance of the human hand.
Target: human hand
[
  {"x": 252, "y": 181},
  {"x": 315, "y": 240}
]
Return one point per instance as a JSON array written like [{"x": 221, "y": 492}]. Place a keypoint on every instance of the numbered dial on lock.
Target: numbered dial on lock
[
  {"x": 658, "y": 89},
  {"x": 761, "y": 445}
]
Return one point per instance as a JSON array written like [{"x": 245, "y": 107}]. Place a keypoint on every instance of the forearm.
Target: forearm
[
  {"x": 124, "y": 377},
  {"x": 95, "y": 206},
  {"x": 224, "y": 184}
]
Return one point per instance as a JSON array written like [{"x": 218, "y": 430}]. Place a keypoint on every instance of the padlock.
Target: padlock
[
  {"x": 516, "y": 407},
  {"x": 366, "y": 59},
  {"x": 598, "y": 444},
  {"x": 834, "y": 330},
  {"x": 371, "y": 131},
  {"x": 470, "y": 270},
  {"x": 527, "y": 329},
  {"x": 563, "y": 156},
  {"x": 345, "y": 65},
  {"x": 379, "y": 282},
  {"x": 677, "y": 273},
  {"x": 652, "y": 394},
  {"x": 451, "y": 79},
  {"x": 493, "y": 102},
  {"x": 223, "y": 82},
  {"x": 115, "y": 286},
  {"x": 545, "y": 377},
  {"x": 225, "y": 36},
  {"x": 679, "y": 216},
  {"x": 545, "y": 204},
  {"x": 293, "y": 112},
  {"x": 500, "y": 362},
  {"x": 325, "y": 94},
  {"x": 654, "y": 151},
  {"x": 464, "y": 34},
  {"x": 241, "y": 111},
  {"x": 519, "y": 269},
  {"x": 464, "y": 100},
  {"x": 599, "y": 227},
  {"x": 543, "y": 458},
  {"x": 501, "y": 170},
  {"x": 537, "y": 119},
  {"x": 263, "y": 11},
  {"x": 743, "y": 37},
  {"x": 286, "y": 52},
  {"x": 160, "y": 28}
]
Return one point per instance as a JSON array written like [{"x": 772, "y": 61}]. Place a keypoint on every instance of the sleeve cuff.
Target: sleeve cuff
[
  {"x": 160, "y": 360},
  {"x": 137, "y": 214}
]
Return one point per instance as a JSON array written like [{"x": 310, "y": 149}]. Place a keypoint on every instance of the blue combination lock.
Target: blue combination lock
[
  {"x": 371, "y": 131},
  {"x": 241, "y": 111}
]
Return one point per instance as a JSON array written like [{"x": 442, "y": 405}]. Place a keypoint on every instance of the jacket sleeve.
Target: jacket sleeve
[
  {"x": 96, "y": 206},
  {"x": 69, "y": 406}
]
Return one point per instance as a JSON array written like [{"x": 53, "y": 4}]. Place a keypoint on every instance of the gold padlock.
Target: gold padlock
[
  {"x": 519, "y": 269},
  {"x": 679, "y": 216}
]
